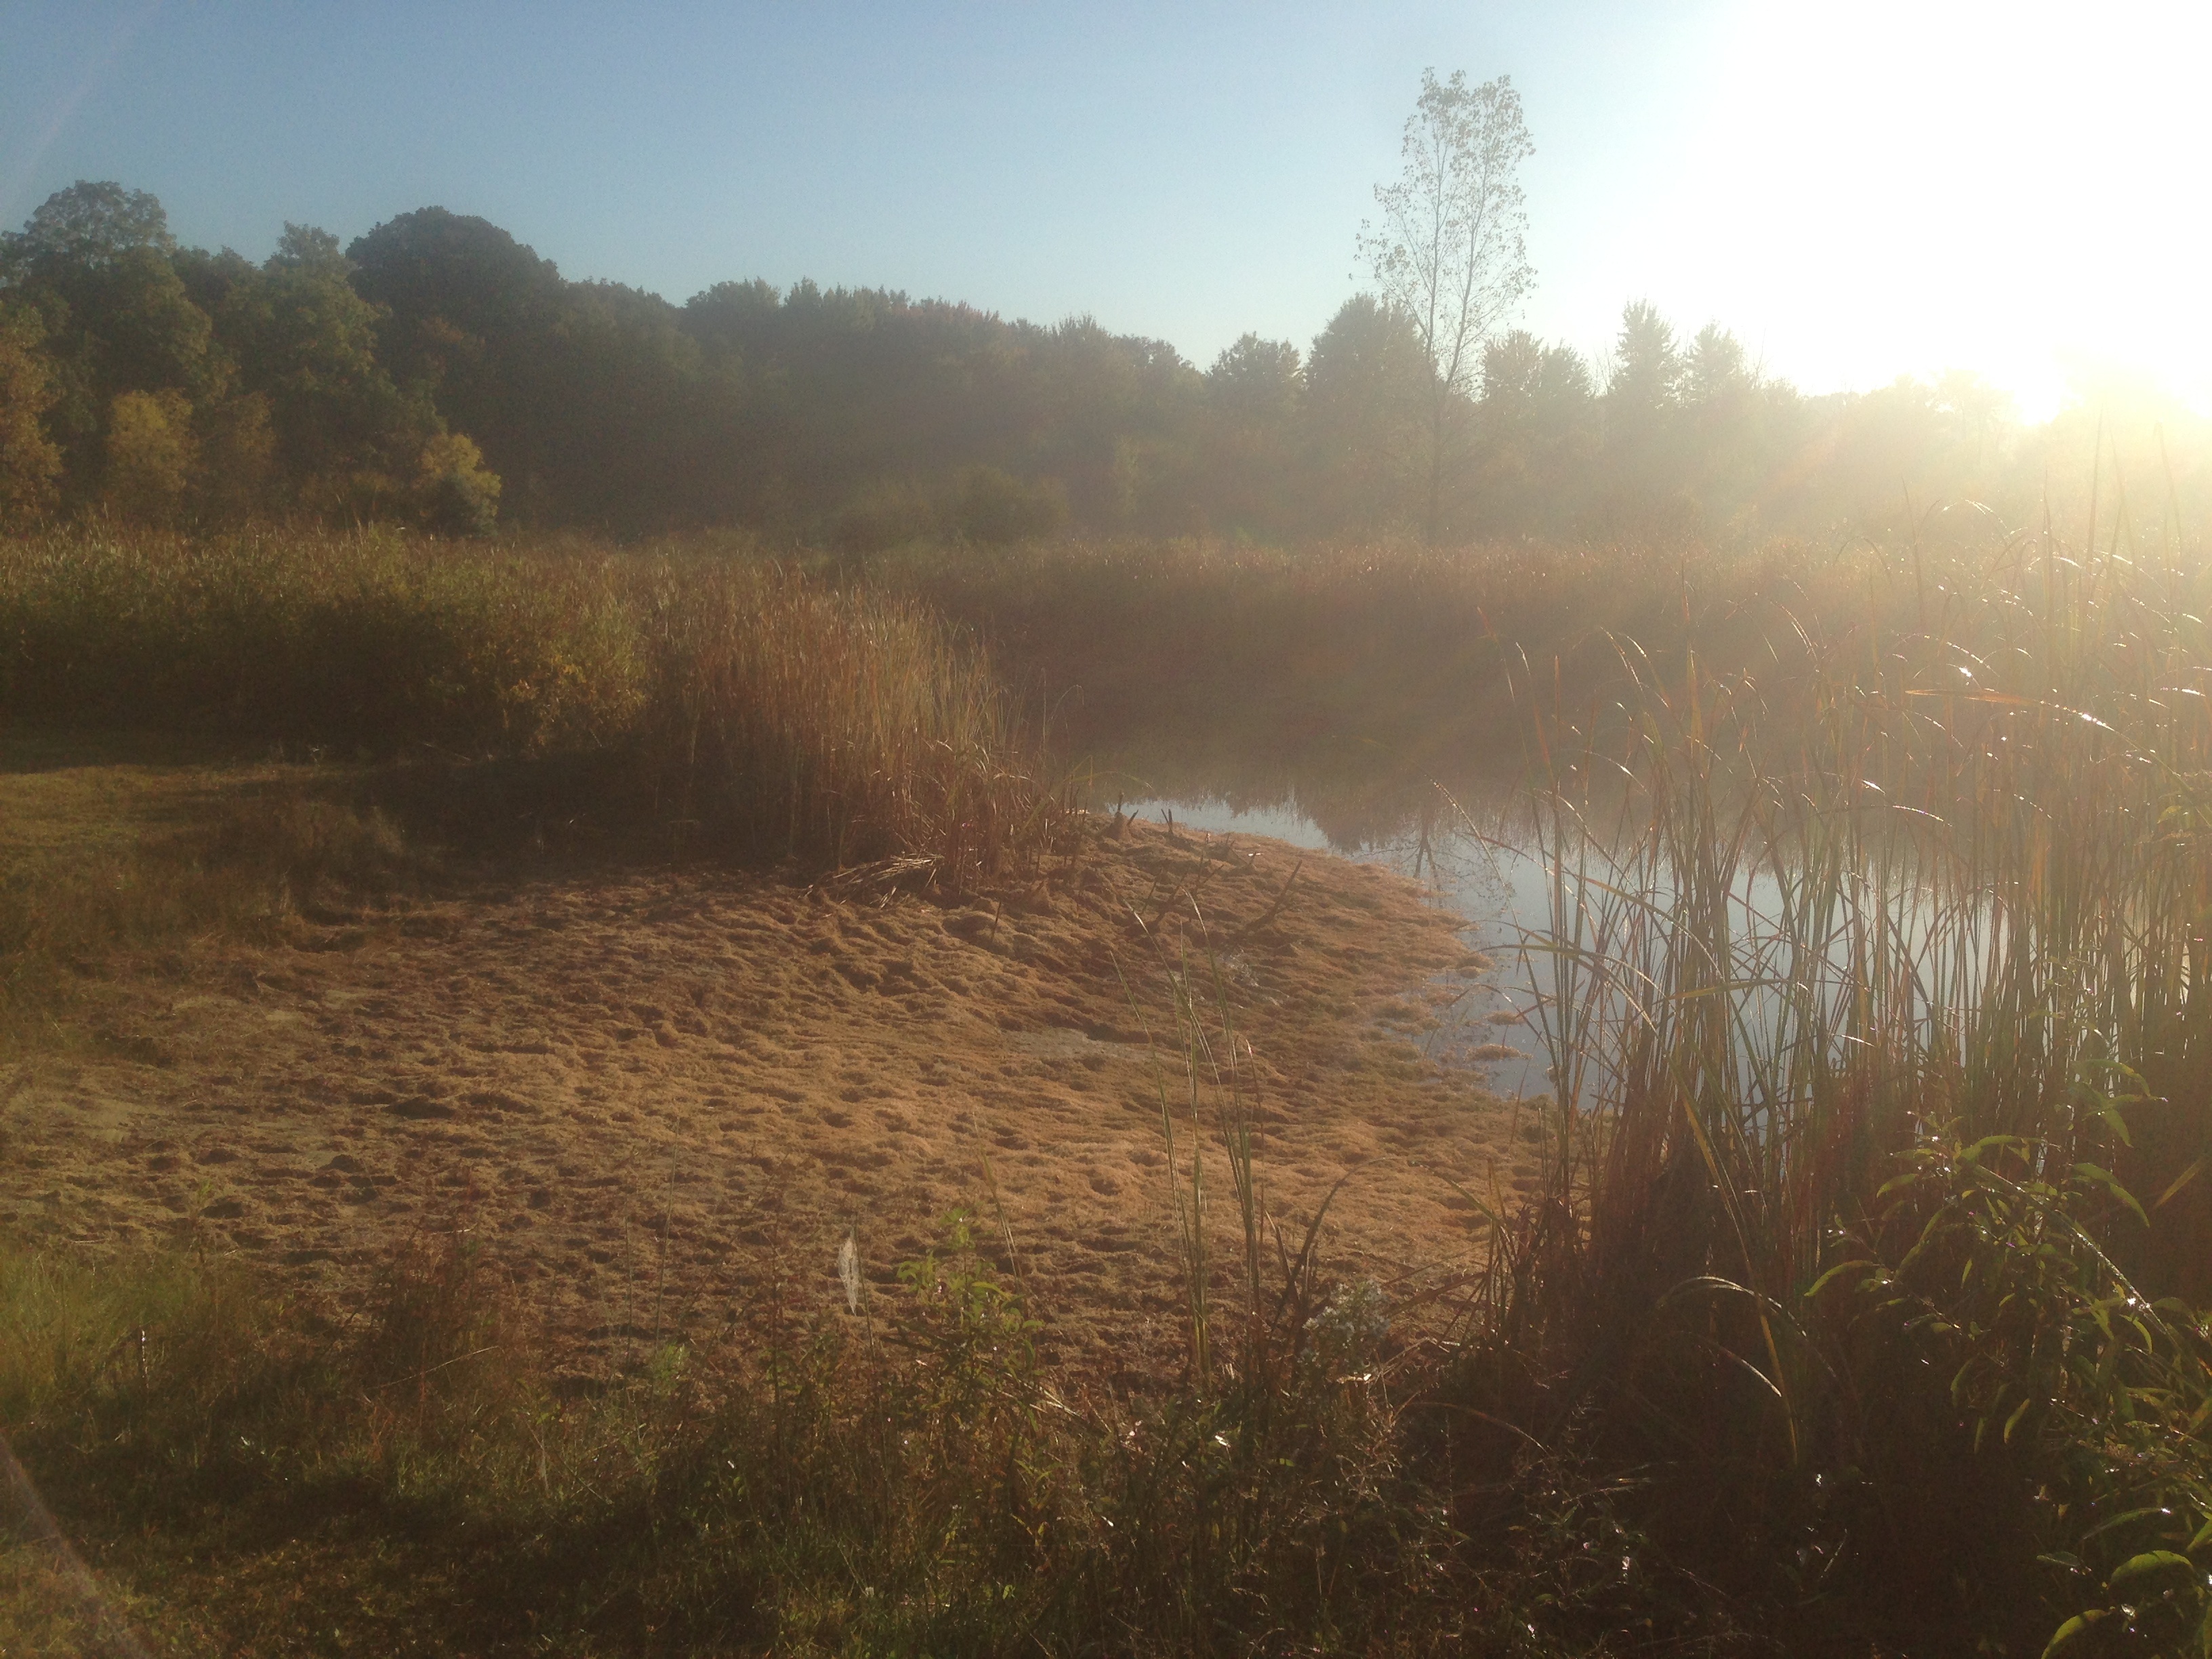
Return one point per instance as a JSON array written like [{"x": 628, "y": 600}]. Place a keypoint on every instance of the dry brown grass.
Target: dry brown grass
[
  {"x": 788, "y": 717},
  {"x": 775, "y": 713},
  {"x": 1874, "y": 993}
]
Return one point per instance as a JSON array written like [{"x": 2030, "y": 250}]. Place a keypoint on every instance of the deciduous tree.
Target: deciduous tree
[
  {"x": 456, "y": 493},
  {"x": 96, "y": 262},
  {"x": 307, "y": 343},
  {"x": 1451, "y": 249},
  {"x": 1367, "y": 385},
  {"x": 30, "y": 461}
]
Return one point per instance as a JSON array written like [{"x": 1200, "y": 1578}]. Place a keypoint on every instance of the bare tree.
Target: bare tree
[{"x": 1449, "y": 250}]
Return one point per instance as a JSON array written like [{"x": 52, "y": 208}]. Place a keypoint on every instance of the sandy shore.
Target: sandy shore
[{"x": 651, "y": 1099}]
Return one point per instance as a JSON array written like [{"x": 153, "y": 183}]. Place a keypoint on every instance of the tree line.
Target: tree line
[{"x": 436, "y": 370}]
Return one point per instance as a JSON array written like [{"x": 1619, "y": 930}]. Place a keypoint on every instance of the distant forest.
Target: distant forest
[{"x": 438, "y": 371}]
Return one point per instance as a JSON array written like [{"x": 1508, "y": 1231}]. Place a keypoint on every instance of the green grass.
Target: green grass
[
  {"x": 248, "y": 1475},
  {"x": 118, "y": 850}
]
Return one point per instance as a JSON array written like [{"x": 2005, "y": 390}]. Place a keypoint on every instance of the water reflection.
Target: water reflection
[{"x": 1596, "y": 956}]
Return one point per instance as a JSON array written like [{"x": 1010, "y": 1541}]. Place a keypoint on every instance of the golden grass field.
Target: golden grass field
[{"x": 653, "y": 1094}]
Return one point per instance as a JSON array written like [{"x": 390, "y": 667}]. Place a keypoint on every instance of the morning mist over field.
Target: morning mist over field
[{"x": 1019, "y": 830}]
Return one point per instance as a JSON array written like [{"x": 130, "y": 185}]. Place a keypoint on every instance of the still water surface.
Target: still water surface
[{"x": 1479, "y": 860}]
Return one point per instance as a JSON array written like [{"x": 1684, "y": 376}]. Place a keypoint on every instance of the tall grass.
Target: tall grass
[
  {"x": 1392, "y": 649},
  {"x": 1873, "y": 999},
  {"x": 792, "y": 716},
  {"x": 783, "y": 717},
  {"x": 374, "y": 640},
  {"x": 257, "y": 1473},
  {"x": 1854, "y": 1311}
]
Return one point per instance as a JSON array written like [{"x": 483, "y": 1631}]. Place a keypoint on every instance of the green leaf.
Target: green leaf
[
  {"x": 2149, "y": 1561},
  {"x": 2179, "y": 1182},
  {"x": 2013, "y": 1422},
  {"x": 2110, "y": 1182},
  {"x": 2104, "y": 1527},
  {"x": 1821, "y": 1283},
  {"x": 2072, "y": 1628}
]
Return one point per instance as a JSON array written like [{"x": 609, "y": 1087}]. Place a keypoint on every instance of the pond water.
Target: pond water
[{"x": 1479, "y": 860}]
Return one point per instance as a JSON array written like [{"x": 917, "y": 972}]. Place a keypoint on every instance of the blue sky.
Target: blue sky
[{"x": 1859, "y": 190}]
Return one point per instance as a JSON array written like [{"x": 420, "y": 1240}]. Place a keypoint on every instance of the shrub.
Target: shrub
[
  {"x": 457, "y": 494},
  {"x": 996, "y": 509}
]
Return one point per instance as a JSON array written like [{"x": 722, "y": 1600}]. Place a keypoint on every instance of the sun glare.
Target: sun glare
[{"x": 2015, "y": 189}]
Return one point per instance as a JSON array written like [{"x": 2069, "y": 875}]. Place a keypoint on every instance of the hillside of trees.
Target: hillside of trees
[{"x": 435, "y": 370}]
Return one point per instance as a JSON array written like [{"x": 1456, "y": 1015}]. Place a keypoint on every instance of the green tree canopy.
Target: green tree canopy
[
  {"x": 307, "y": 343},
  {"x": 87, "y": 227},
  {"x": 95, "y": 260}
]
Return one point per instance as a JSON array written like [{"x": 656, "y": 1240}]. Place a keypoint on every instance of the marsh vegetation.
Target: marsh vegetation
[{"x": 1853, "y": 1307}]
